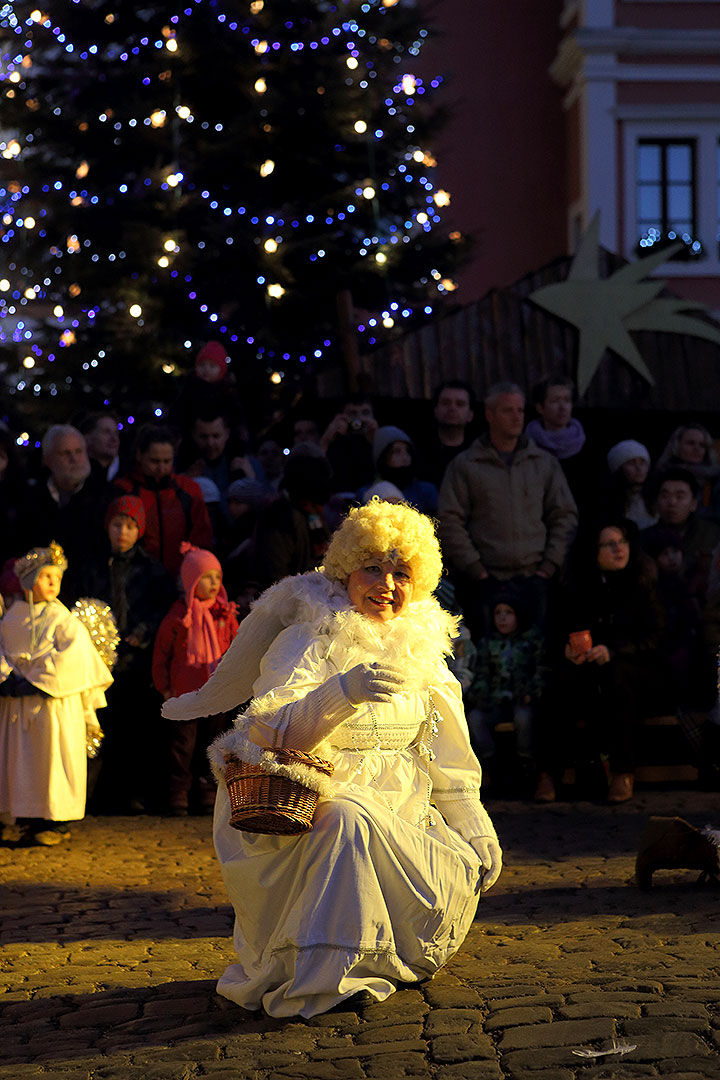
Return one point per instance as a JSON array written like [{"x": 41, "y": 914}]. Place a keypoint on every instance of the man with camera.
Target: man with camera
[{"x": 348, "y": 442}]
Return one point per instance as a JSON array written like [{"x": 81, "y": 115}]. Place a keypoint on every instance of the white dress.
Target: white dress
[
  {"x": 384, "y": 888},
  {"x": 43, "y": 746}
]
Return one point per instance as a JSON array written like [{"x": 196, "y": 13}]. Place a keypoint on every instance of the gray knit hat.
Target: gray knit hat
[{"x": 386, "y": 436}]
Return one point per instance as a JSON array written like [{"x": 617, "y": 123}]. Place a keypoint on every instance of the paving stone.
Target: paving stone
[
  {"x": 589, "y": 996},
  {"x": 451, "y": 1048},
  {"x": 684, "y": 1065},
  {"x": 650, "y": 1025},
  {"x": 321, "y": 1070},
  {"x": 676, "y": 1008},
  {"x": 619, "y": 1010},
  {"x": 451, "y": 1021},
  {"x": 545, "y": 1057},
  {"x": 669, "y": 1044},
  {"x": 398, "y": 1065},
  {"x": 518, "y": 1016},
  {"x": 370, "y": 1049},
  {"x": 574, "y": 1033},
  {"x": 541, "y": 1074},
  {"x": 401, "y": 1032},
  {"x": 452, "y": 997},
  {"x": 550, "y": 1001},
  {"x": 472, "y": 1070}
]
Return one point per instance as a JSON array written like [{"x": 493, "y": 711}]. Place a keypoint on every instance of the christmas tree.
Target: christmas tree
[{"x": 252, "y": 172}]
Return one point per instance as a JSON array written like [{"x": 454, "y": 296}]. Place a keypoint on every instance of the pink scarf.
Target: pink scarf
[{"x": 203, "y": 646}]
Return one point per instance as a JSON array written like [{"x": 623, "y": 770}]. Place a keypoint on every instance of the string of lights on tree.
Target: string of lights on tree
[{"x": 219, "y": 170}]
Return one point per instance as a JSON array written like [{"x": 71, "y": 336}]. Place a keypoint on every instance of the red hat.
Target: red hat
[
  {"x": 130, "y": 506},
  {"x": 213, "y": 353}
]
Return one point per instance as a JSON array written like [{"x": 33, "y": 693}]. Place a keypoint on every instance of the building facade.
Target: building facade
[{"x": 641, "y": 85}]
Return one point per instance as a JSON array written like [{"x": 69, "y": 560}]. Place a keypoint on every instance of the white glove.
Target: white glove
[
  {"x": 372, "y": 682},
  {"x": 489, "y": 852}
]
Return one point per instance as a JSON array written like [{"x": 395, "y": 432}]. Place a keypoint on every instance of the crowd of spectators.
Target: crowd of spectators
[{"x": 588, "y": 581}]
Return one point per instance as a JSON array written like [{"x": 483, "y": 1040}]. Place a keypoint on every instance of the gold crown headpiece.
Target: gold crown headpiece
[{"x": 28, "y": 567}]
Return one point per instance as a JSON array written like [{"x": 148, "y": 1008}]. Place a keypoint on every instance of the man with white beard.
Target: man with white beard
[{"x": 66, "y": 504}]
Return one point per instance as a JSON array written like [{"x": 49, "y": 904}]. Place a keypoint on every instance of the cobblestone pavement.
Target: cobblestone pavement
[{"x": 111, "y": 946}]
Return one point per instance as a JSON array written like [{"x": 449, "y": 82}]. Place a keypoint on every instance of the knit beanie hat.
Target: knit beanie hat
[
  {"x": 128, "y": 506},
  {"x": 213, "y": 353},
  {"x": 384, "y": 437},
  {"x": 626, "y": 451},
  {"x": 384, "y": 490},
  {"x": 196, "y": 562},
  {"x": 250, "y": 492},
  {"x": 29, "y": 566},
  {"x": 210, "y": 490}
]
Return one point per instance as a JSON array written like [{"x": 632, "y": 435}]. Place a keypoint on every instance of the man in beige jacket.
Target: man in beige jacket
[{"x": 505, "y": 511}]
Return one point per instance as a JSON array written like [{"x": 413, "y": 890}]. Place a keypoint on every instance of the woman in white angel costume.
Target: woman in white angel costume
[
  {"x": 348, "y": 663},
  {"x": 51, "y": 682}
]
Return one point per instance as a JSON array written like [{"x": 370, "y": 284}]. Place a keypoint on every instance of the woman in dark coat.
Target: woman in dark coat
[{"x": 607, "y": 680}]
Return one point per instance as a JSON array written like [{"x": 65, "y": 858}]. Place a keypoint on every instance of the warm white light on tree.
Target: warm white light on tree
[
  {"x": 369, "y": 192},
  {"x": 360, "y": 127},
  {"x": 28, "y": 361},
  {"x": 276, "y": 291},
  {"x": 260, "y": 86},
  {"x": 135, "y": 310},
  {"x": 158, "y": 118},
  {"x": 441, "y": 198},
  {"x": 267, "y": 167},
  {"x": 270, "y": 246}
]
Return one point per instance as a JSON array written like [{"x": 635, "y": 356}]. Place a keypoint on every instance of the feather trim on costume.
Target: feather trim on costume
[
  {"x": 234, "y": 742},
  {"x": 417, "y": 640}
]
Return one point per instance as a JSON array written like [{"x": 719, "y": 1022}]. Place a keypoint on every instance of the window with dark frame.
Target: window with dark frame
[{"x": 665, "y": 186}]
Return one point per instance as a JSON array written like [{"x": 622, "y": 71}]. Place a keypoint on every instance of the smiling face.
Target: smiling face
[
  {"x": 613, "y": 549},
  {"x": 691, "y": 447},
  {"x": 47, "y": 584},
  {"x": 381, "y": 588}
]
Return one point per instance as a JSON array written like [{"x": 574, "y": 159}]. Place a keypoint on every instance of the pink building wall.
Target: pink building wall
[{"x": 501, "y": 157}]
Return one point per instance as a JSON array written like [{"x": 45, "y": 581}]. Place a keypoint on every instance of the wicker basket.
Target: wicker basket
[{"x": 263, "y": 802}]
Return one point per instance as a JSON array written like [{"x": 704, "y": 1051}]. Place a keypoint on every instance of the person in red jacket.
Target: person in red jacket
[
  {"x": 190, "y": 642},
  {"x": 174, "y": 507}
]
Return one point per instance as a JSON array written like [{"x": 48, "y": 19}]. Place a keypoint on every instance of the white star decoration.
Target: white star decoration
[{"x": 605, "y": 310}]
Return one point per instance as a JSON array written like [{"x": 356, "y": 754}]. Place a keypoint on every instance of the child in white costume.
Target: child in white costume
[
  {"x": 349, "y": 663},
  {"x": 51, "y": 682}
]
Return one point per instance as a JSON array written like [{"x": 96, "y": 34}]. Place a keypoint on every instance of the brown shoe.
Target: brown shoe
[
  {"x": 621, "y": 787},
  {"x": 545, "y": 789}
]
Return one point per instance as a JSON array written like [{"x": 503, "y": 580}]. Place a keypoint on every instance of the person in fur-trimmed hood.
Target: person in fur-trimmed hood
[{"x": 349, "y": 662}]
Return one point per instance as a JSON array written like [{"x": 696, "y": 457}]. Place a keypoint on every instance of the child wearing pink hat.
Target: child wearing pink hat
[{"x": 190, "y": 642}]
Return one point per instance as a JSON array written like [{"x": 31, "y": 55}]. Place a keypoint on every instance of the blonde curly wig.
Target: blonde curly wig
[{"x": 380, "y": 527}]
